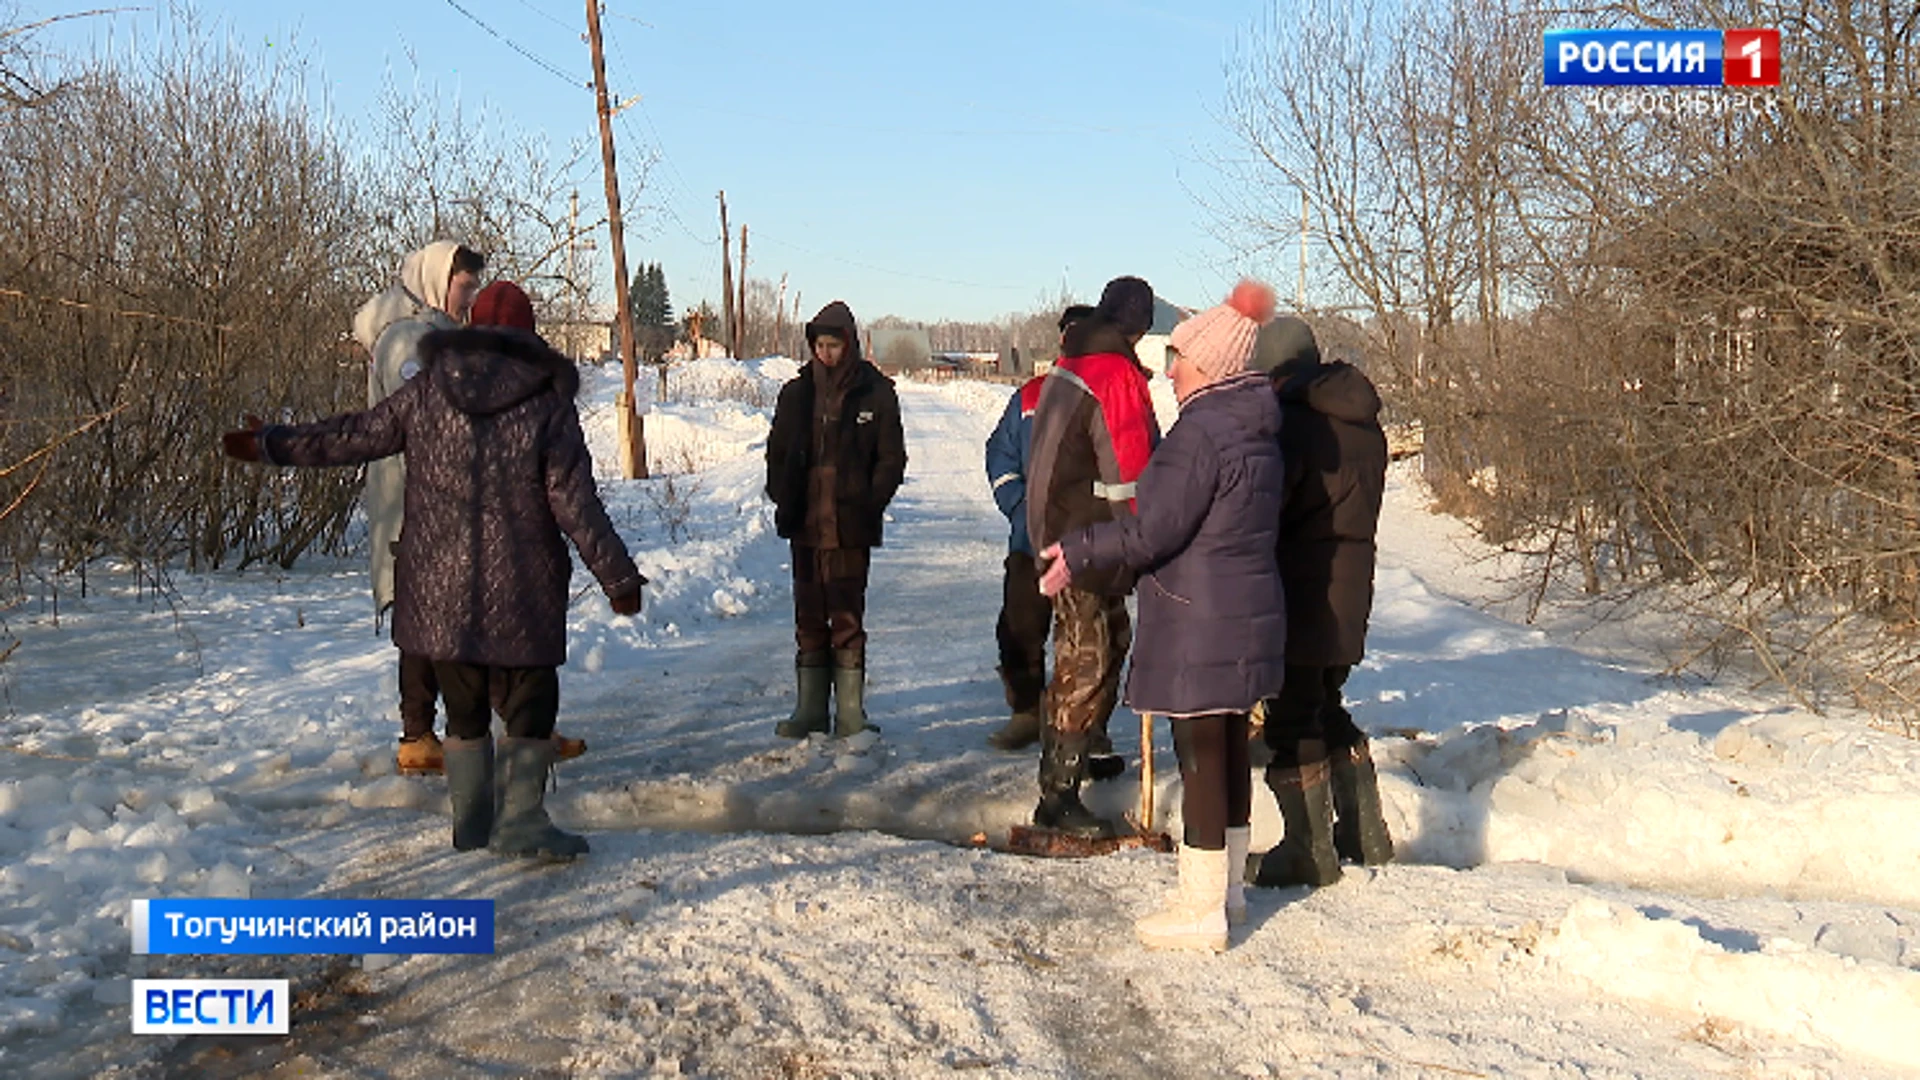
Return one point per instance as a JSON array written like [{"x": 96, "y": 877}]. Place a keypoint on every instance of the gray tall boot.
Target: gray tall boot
[
  {"x": 1360, "y": 829},
  {"x": 1305, "y": 856},
  {"x": 850, "y": 693},
  {"x": 524, "y": 827},
  {"x": 470, "y": 789},
  {"x": 814, "y": 671}
]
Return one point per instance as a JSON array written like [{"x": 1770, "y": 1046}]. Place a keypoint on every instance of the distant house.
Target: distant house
[
  {"x": 587, "y": 340},
  {"x": 973, "y": 364},
  {"x": 707, "y": 349}
]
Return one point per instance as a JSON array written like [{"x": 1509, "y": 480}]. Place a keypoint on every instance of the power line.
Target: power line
[
  {"x": 659, "y": 146},
  {"x": 516, "y": 46},
  {"x": 547, "y": 15}
]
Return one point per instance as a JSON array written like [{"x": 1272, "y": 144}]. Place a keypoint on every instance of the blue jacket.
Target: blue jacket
[
  {"x": 1213, "y": 613},
  {"x": 1007, "y": 454}
]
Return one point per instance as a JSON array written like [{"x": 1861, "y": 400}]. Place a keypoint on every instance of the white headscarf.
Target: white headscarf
[{"x": 424, "y": 276}]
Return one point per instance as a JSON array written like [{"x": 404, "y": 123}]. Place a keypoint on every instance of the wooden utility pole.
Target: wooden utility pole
[
  {"x": 780, "y": 318},
  {"x": 633, "y": 439},
  {"x": 726, "y": 278},
  {"x": 740, "y": 308}
]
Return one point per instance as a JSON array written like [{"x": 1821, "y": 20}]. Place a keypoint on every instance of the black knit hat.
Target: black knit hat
[
  {"x": 1285, "y": 348},
  {"x": 1127, "y": 302}
]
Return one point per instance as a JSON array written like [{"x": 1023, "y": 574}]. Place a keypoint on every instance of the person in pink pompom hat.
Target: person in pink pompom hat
[{"x": 1213, "y": 622}]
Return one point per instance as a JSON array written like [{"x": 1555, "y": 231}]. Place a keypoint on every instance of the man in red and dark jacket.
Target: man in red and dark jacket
[
  {"x": 1025, "y": 615},
  {"x": 1093, "y": 431}
]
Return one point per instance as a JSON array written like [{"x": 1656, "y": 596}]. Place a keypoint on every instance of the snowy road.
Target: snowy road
[{"x": 1608, "y": 876}]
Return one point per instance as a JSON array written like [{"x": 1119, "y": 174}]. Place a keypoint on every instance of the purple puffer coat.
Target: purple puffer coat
[
  {"x": 1213, "y": 615},
  {"x": 498, "y": 477}
]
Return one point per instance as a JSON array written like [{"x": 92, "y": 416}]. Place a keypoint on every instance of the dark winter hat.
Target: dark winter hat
[
  {"x": 1074, "y": 313},
  {"x": 502, "y": 304},
  {"x": 1127, "y": 302},
  {"x": 1284, "y": 348}
]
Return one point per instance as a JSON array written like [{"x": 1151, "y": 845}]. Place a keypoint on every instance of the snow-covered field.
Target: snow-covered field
[{"x": 1604, "y": 873}]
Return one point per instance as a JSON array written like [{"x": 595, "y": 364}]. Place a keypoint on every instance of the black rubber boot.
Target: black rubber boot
[
  {"x": 523, "y": 828},
  {"x": 1063, "y": 765},
  {"x": 814, "y": 671},
  {"x": 850, "y": 693},
  {"x": 470, "y": 789},
  {"x": 1305, "y": 856},
  {"x": 1360, "y": 828}
]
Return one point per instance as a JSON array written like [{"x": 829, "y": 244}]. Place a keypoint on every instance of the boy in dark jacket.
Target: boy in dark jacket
[
  {"x": 835, "y": 457},
  {"x": 1322, "y": 770},
  {"x": 498, "y": 477},
  {"x": 1025, "y": 615},
  {"x": 1213, "y": 624},
  {"x": 1093, "y": 430}
]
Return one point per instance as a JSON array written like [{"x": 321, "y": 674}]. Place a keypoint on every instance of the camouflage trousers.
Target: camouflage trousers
[{"x": 1091, "y": 635}]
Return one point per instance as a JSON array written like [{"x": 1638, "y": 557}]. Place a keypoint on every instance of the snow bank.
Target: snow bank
[{"x": 1780, "y": 986}]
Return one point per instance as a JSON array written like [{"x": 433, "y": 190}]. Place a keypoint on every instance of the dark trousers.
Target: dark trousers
[
  {"x": 419, "y": 689},
  {"x": 1216, "y": 782},
  {"x": 528, "y": 699},
  {"x": 1091, "y": 635},
  {"x": 830, "y": 598},
  {"x": 1025, "y": 619},
  {"x": 1309, "y": 716}
]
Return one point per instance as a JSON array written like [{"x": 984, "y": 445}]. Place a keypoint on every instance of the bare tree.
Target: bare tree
[{"x": 1655, "y": 348}]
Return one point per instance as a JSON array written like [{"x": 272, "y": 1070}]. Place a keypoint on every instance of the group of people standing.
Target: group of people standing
[{"x": 1247, "y": 534}]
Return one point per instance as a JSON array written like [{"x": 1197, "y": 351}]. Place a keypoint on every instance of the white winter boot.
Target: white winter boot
[
  {"x": 1196, "y": 914},
  {"x": 1238, "y": 840}
]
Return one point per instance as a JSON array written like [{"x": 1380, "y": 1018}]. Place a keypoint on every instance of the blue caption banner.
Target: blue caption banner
[
  {"x": 298, "y": 927},
  {"x": 1633, "y": 57}
]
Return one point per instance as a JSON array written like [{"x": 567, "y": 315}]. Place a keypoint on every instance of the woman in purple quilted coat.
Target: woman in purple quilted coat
[{"x": 498, "y": 479}]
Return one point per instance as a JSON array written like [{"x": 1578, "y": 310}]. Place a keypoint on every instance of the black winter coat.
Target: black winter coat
[
  {"x": 498, "y": 478},
  {"x": 868, "y": 448},
  {"x": 1213, "y": 624},
  {"x": 1336, "y": 458}
]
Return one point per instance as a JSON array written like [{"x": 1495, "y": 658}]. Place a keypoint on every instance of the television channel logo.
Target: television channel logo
[
  {"x": 211, "y": 1006},
  {"x": 1746, "y": 57}
]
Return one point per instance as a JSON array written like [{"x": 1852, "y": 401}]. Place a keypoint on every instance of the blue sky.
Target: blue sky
[{"x": 951, "y": 160}]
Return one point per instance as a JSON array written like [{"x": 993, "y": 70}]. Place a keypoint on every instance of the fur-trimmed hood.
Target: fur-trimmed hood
[{"x": 487, "y": 370}]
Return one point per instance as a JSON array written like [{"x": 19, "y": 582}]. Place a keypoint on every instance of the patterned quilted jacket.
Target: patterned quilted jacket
[{"x": 498, "y": 478}]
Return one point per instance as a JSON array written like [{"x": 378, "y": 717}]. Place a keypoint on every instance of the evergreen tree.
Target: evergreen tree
[{"x": 653, "y": 321}]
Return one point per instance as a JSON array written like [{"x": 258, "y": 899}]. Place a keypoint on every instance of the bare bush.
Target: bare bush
[
  {"x": 1668, "y": 350},
  {"x": 172, "y": 241},
  {"x": 184, "y": 244}
]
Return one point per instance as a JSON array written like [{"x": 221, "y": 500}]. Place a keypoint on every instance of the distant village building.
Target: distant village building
[
  {"x": 586, "y": 341},
  {"x": 705, "y": 349}
]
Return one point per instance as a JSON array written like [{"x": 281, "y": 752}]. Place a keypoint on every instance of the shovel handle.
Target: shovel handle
[{"x": 1146, "y": 772}]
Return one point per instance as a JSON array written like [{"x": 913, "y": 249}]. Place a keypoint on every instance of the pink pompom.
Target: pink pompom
[{"x": 1252, "y": 299}]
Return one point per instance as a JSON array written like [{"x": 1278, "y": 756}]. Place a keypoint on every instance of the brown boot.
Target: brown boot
[
  {"x": 1019, "y": 732},
  {"x": 565, "y": 749},
  {"x": 420, "y": 757}
]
